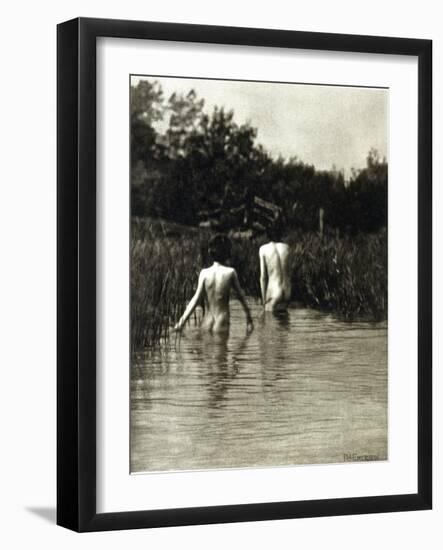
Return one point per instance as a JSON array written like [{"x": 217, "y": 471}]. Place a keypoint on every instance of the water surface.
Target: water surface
[{"x": 303, "y": 389}]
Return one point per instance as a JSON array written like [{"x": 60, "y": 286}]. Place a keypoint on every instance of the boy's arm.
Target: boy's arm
[
  {"x": 193, "y": 303},
  {"x": 263, "y": 277},
  {"x": 242, "y": 299}
]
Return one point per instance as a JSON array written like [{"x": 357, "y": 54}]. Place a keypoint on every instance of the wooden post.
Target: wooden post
[{"x": 321, "y": 214}]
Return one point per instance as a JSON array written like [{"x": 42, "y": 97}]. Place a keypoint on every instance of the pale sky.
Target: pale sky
[{"x": 322, "y": 125}]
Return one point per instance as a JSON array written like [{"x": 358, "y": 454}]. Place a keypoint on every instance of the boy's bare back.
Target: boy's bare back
[
  {"x": 217, "y": 282},
  {"x": 214, "y": 286},
  {"x": 275, "y": 279}
]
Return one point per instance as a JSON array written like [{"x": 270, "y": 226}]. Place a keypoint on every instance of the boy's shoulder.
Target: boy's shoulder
[
  {"x": 270, "y": 246},
  {"x": 223, "y": 268},
  {"x": 203, "y": 272},
  {"x": 226, "y": 270}
]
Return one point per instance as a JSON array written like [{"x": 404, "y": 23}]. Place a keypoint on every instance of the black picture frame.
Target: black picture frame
[{"x": 76, "y": 266}]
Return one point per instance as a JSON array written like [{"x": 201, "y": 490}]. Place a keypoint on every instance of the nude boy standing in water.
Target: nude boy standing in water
[
  {"x": 214, "y": 287},
  {"x": 275, "y": 279}
]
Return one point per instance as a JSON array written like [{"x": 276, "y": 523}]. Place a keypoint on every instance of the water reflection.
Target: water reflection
[
  {"x": 273, "y": 345},
  {"x": 220, "y": 356},
  {"x": 303, "y": 387}
]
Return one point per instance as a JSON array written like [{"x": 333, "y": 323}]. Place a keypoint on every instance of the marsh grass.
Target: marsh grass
[
  {"x": 344, "y": 275},
  {"x": 164, "y": 270}
]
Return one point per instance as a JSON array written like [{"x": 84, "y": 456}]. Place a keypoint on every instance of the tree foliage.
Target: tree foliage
[{"x": 185, "y": 162}]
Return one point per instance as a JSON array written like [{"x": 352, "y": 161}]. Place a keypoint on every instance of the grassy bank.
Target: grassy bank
[{"x": 345, "y": 275}]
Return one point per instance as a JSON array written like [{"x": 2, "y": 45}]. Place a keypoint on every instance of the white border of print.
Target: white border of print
[{"x": 117, "y": 490}]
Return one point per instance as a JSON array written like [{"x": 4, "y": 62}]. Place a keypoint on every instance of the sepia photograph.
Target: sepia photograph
[{"x": 258, "y": 274}]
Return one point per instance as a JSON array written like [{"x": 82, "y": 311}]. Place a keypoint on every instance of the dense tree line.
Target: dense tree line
[{"x": 185, "y": 162}]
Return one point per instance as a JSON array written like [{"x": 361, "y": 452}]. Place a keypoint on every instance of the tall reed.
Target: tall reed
[
  {"x": 164, "y": 271},
  {"x": 346, "y": 275}
]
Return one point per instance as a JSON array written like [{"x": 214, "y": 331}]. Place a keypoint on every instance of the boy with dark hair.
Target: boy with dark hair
[{"x": 215, "y": 284}]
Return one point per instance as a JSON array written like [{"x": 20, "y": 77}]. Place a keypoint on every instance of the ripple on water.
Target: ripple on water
[{"x": 305, "y": 389}]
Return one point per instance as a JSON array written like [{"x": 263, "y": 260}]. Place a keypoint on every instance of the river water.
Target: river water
[{"x": 303, "y": 389}]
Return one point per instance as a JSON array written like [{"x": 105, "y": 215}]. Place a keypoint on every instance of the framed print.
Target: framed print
[{"x": 244, "y": 274}]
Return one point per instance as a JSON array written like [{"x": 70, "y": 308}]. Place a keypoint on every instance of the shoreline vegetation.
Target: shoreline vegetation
[
  {"x": 196, "y": 171},
  {"x": 345, "y": 275}
]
